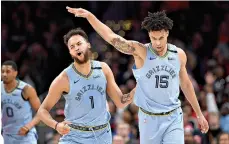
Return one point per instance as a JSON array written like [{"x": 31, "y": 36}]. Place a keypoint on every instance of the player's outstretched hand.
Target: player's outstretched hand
[
  {"x": 203, "y": 124},
  {"x": 78, "y": 12},
  {"x": 23, "y": 131},
  {"x": 63, "y": 127}
]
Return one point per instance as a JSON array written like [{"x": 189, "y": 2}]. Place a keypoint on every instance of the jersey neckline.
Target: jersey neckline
[
  {"x": 18, "y": 82},
  {"x": 82, "y": 75},
  {"x": 154, "y": 52}
]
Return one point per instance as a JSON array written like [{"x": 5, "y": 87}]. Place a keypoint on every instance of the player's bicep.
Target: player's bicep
[
  {"x": 34, "y": 101},
  {"x": 183, "y": 72},
  {"x": 54, "y": 94}
]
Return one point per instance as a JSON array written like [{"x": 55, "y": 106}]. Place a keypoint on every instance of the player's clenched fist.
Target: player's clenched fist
[
  {"x": 79, "y": 12},
  {"x": 63, "y": 128}
]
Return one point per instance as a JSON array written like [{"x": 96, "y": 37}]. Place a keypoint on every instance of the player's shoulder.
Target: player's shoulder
[
  {"x": 181, "y": 52},
  {"x": 106, "y": 69},
  {"x": 147, "y": 45},
  {"x": 61, "y": 77},
  {"x": 23, "y": 85},
  {"x": 104, "y": 65}
]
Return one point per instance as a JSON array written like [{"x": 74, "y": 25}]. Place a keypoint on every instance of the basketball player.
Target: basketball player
[
  {"x": 84, "y": 85},
  {"x": 159, "y": 69},
  {"x": 17, "y": 99}
]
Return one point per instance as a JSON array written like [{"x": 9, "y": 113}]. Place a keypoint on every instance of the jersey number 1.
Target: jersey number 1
[{"x": 92, "y": 101}]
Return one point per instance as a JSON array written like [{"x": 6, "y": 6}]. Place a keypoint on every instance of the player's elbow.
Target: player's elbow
[{"x": 41, "y": 111}]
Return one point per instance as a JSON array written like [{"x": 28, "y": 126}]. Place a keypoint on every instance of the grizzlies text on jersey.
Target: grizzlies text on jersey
[
  {"x": 158, "y": 81},
  {"x": 86, "y": 100}
]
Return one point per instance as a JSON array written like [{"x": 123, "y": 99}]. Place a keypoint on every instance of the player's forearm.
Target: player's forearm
[
  {"x": 104, "y": 31},
  {"x": 45, "y": 116},
  {"x": 189, "y": 93},
  {"x": 34, "y": 121},
  {"x": 127, "y": 98}
]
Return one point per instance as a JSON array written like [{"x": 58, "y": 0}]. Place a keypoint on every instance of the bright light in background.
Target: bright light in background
[
  {"x": 127, "y": 25},
  {"x": 121, "y": 33},
  {"x": 95, "y": 55},
  {"x": 109, "y": 23},
  {"x": 116, "y": 27}
]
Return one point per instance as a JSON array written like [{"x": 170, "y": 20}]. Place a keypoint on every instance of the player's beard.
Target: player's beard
[{"x": 85, "y": 57}]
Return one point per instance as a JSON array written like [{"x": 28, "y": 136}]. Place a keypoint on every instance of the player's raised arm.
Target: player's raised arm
[
  {"x": 121, "y": 44},
  {"x": 121, "y": 100},
  {"x": 29, "y": 93},
  {"x": 58, "y": 86}
]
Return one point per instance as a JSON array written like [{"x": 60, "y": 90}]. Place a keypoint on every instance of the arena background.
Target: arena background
[{"x": 32, "y": 35}]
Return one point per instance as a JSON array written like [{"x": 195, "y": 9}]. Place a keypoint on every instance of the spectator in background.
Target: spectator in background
[
  {"x": 118, "y": 140},
  {"x": 223, "y": 138},
  {"x": 124, "y": 130},
  {"x": 214, "y": 129}
]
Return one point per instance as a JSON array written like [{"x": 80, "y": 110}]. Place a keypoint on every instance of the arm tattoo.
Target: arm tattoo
[
  {"x": 141, "y": 45},
  {"x": 125, "y": 98},
  {"x": 122, "y": 46}
]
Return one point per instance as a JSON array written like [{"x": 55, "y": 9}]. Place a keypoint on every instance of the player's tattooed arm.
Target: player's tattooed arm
[
  {"x": 126, "y": 98},
  {"x": 129, "y": 47},
  {"x": 123, "y": 46}
]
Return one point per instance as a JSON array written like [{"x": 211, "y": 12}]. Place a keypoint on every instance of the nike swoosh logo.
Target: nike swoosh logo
[
  {"x": 152, "y": 58},
  {"x": 171, "y": 59},
  {"x": 96, "y": 76},
  {"x": 76, "y": 81}
]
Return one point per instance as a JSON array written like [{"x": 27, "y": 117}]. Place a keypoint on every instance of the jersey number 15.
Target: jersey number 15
[{"x": 162, "y": 81}]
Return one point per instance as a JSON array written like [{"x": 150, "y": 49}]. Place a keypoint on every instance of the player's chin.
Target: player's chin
[{"x": 5, "y": 81}]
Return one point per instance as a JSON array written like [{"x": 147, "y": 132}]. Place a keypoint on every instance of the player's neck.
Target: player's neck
[
  {"x": 83, "y": 68},
  {"x": 11, "y": 86}
]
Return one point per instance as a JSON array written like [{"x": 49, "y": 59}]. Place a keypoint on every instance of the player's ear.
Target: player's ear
[
  {"x": 89, "y": 45},
  {"x": 15, "y": 73},
  {"x": 167, "y": 33}
]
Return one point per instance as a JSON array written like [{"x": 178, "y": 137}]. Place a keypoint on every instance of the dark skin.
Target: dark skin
[{"x": 10, "y": 83}]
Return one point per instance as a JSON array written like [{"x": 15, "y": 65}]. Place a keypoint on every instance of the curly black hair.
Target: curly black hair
[
  {"x": 157, "y": 21},
  {"x": 76, "y": 31}
]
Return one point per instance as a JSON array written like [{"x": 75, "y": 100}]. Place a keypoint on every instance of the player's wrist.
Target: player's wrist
[
  {"x": 89, "y": 16},
  {"x": 28, "y": 127},
  {"x": 56, "y": 125}
]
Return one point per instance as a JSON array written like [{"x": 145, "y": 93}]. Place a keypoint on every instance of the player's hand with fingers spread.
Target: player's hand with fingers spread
[
  {"x": 203, "y": 123},
  {"x": 63, "y": 127},
  {"x": 78, "y": 12}
]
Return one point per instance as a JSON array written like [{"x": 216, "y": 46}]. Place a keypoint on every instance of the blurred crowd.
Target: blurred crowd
[{"x": 32, "y": 36}]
